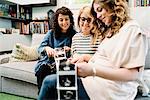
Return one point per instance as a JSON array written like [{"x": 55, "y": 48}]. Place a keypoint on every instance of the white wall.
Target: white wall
[
  {"x": 41, "y": 12},
  {"x": 142, "y": 15},
  {"x": 4, "y": 23},
  {"x": 29, "y": 1},
  {"x": 7, "y": 41}
]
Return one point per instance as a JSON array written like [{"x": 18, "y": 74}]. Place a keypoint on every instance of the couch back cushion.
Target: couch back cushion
[
  {"x": 37, "y": 39},
  {"x": 22, "y": 52}
]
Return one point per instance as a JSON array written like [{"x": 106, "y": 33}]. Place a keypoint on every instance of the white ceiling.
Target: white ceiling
[{"x": 29, "y": 1}]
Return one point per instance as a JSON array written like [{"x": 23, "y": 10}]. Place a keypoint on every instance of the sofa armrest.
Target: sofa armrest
[{"x": 4, "y": 58}]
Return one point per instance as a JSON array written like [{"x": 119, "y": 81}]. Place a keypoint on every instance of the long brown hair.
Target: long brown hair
[{"x": 56, "y": 28}]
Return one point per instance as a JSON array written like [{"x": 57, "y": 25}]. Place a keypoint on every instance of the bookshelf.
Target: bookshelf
[
  {"x": 16, "y": 21},
  {"x": 25, "y": 12},
  {"x": 20, "y": 17},
  {"x": 37, "y": 26}
]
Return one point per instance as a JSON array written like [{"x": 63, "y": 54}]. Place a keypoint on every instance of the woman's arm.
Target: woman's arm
[
  {"x": 45, "y": 46},
  {"x": 120, "y": 74}
]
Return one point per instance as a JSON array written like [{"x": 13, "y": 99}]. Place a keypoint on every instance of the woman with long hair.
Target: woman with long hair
[
  {"x": 114, "y": 71},
  {"x": 60, "y": 36}
]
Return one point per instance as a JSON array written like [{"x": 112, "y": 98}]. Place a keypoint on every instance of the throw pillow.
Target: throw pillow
[{"x": 24, "y": 53}]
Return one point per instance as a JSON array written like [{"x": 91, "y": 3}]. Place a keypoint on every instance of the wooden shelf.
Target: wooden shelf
[
  {"x": 7, "y": 2},
  {"x": 40, "y": 20},
  {"x": 21, "y": 17},
  {"x": 7, "y": 17},
  {"x": 41, "y": 5},
  {"x": 50, "y": 3}
]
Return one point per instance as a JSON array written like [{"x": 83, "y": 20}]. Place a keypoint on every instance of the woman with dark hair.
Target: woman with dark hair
[
  {"x": 114, "y": 71},
  {"x": 60, "y": 36}
]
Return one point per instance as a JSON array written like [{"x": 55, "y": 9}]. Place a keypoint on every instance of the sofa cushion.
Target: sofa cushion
[
  {"x": 19, "y": 70},
  {"x": 24, "y": 53}
]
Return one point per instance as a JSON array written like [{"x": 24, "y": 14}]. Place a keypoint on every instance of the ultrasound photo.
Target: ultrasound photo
[
  {"x": 67, "y": 80},
  {"x": 66, "y": 66},
  {"x": 60, "y": 53},
  {"x": 68, "y": 94}
]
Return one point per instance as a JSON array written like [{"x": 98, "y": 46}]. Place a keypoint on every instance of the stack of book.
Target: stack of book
[{"x": 141, "y": 3}]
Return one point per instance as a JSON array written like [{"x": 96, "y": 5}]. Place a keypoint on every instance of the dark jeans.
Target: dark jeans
[
  {"x": 41, "y": 74},
  {"x": 49, "y": 91}
]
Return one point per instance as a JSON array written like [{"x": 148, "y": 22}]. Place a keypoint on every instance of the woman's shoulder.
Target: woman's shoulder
[
  {"x": 78, "y": 34},
  {"x": 50, "y": 32},
  {"x": 131, "y": 23}
]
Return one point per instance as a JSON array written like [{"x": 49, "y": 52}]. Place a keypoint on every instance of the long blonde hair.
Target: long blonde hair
[{"x": 119, "y": 10}]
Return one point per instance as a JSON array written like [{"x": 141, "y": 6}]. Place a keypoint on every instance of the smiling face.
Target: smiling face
[
  {"x": 103, "y": 14},
  {"x": 64, "y": 22},
  {"x": 85, "y": 21}
]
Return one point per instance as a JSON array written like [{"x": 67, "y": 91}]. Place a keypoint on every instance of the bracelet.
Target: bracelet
[{"x": 94, "y": 71}]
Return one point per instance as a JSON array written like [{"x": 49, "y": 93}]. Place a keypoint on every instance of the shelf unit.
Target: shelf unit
[
  {"x": 25, "y": 12},
  {"x": 21, "y": 17},
  {"x": 43, "y": 3},
  {"x": 15, "y": 16},
  {"x": 8, "y": 8}
]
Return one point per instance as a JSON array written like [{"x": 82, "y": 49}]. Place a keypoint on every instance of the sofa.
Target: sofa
[{"x": 18, "y": 77}]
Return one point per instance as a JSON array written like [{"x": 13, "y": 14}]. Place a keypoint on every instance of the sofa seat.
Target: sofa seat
[
  {"x": 23, "y": 71},
  {"x": 19, "y": 78}
]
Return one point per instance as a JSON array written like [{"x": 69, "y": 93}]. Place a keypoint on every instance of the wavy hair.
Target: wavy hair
[
  {"x": 56, "y": 28},
  {"x": 119, "y": 12}
]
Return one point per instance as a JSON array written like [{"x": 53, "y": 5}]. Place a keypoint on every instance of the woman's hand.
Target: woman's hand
[
  {"x": 76, "y": 59},
  {"x": 50, "y": 51},
  {"x": 81, "y": 58},
  {"x": 66, "y": 48},
  {"x": 84, "y": 69}
]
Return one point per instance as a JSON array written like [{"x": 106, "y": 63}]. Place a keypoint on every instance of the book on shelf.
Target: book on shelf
[
  {"x": 139, "y": 3},
  {"x": 46, "y": 26},
  {"x": 25, "y": 29},
  {"x": 39, "y": 27}
]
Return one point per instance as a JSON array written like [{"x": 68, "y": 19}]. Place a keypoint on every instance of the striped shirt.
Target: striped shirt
[{"x": 81, "y": 44}]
